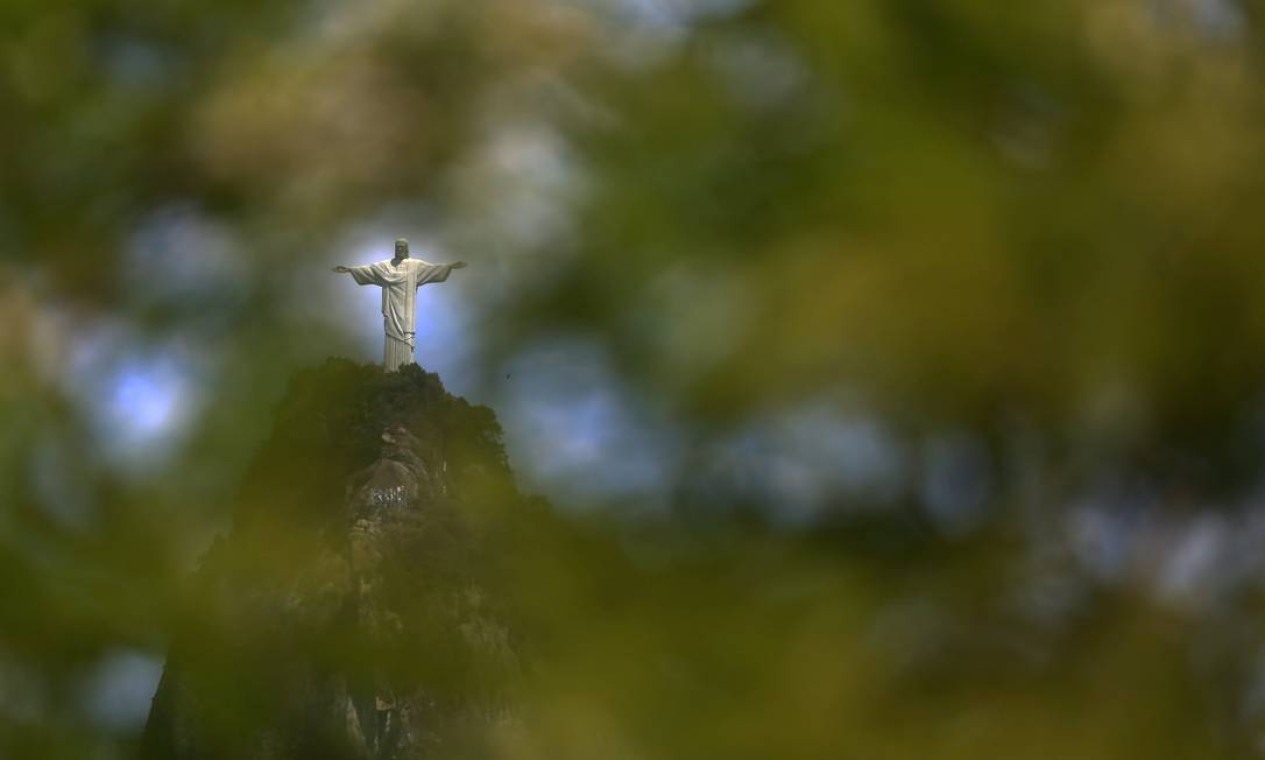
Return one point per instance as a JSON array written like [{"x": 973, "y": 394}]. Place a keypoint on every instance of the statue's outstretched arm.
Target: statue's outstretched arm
[
  {"x": 429, "y": 273},
  {"x": 364, "y": 275}
]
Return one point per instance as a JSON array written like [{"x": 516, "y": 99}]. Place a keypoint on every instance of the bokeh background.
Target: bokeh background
[{"x": 899, "y": 364}]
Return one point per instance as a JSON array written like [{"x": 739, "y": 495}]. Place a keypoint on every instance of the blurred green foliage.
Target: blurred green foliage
[{"x": 1031, "y": 227}]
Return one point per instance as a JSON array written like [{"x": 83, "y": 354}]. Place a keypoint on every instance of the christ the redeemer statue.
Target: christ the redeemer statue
[{"x": 399, "y": 279}]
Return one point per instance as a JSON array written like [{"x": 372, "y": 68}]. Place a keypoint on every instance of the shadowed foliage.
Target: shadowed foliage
[{"x": 895, "y": 369}]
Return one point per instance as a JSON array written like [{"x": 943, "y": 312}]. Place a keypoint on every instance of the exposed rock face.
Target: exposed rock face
[{"x": 353, "y": 611}]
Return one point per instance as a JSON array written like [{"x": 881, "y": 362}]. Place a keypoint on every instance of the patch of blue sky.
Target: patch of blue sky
[
  {"x": 180, "y": 255},
  {"x": 645, "y": 32},
  {"x": 139, "y": 397},
  {"x": 1193, "y": 569},
  {"x": 1217, "y": 19},
  {"x": 1102, "y": 540},
  {"x": 578, "y": 434},
  {"x": 673, "y": 15},
  {"x": 516, "y": 219},
  {"x": 116, "y": 695},
  {"x": 1221, "y": 17},
  {"x": 957, "y": 481},
  {"x": 535, "y": 178},
  {"x": 134, "y": 63},
  {"x": 809, "y": 461},
  {"x": 756, "y": 70}
]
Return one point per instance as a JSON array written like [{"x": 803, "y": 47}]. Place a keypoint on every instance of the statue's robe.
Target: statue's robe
[{"x": 399, "y": 281}]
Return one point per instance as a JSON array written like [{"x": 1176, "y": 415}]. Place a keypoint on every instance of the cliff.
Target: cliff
[{"x": 355, "y": 608}]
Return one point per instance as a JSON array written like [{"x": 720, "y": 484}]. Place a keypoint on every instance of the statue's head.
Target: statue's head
[{"x": 401, "y": 249}]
